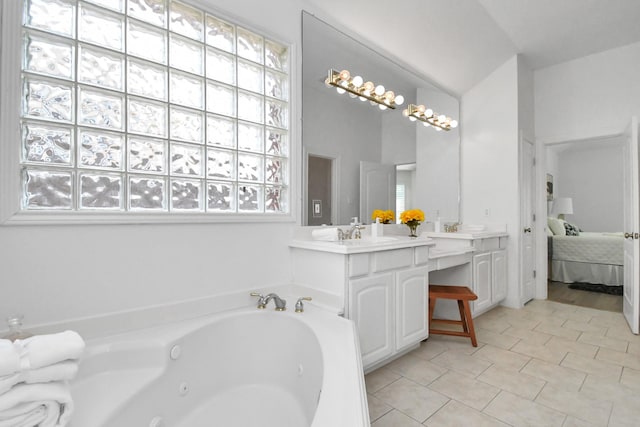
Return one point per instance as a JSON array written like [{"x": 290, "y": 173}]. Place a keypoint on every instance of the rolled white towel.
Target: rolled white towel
[
  {"x": 9, "y": 358},
  {"x": 42, "y": 405},
  {"x": 63, "y": 371},
  {"x": 325, "y": 233},
  {"x": 43, "y": 350}
]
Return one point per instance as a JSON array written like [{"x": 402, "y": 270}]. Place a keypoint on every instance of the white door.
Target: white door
[
  {"x": 371, "y": 307},
  {"x": 377, "y": 188},
  {"x": 411, "y": 306},
  {"x": 527, "y": 204},
  {"x": 481, "y": 282},
  {"x": 498, "y": 276},
  {"x": 631, "y": 295}
]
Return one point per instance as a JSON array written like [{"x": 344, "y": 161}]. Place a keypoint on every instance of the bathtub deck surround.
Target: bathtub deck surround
[{"x": 207, "y": 371}]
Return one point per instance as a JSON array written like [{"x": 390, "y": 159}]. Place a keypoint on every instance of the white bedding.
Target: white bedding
[{"x": 589, "y": 247}]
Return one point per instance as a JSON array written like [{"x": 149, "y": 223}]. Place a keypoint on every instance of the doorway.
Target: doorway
[
  {"x": 589, "y": 173},
  {"x": 320, "y": 206}
]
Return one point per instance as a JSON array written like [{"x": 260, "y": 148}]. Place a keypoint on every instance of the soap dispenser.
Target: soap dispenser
[
  {"x": 436, "y": 226},
  {"x": 377, "y": 230},
  {"x": 15, "y": 328}
]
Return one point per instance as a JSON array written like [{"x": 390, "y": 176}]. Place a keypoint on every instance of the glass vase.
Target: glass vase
[{"x": 413, "y": 226}]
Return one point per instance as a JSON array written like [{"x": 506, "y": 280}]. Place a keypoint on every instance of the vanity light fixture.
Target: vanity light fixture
[
  {"x": 429, "y": 118},
  {"x": 356, "y": 87}
]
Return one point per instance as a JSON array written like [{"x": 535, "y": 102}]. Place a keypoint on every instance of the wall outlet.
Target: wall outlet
[{"x": 487, "y": 212}]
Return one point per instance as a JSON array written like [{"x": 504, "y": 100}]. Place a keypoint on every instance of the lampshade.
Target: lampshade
[{"x": 562, "y": 206}]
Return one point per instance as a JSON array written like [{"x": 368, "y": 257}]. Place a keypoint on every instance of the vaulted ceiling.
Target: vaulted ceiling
[{"x": 457, "y": 43}]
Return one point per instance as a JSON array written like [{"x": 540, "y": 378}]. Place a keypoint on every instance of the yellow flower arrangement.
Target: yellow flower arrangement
[
  {"x": 412, "y": 215},
  {"x": 385, "y": 216},
  {"x": 413, "y": 218}
]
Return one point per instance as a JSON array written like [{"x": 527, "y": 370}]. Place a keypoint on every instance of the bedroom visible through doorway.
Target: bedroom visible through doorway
[{"x": 585, "y": 239}]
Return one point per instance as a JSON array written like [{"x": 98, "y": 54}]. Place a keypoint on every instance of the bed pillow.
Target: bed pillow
[
  {"x": 571, "y": 230},
  {"x": 557, "y": 226}
]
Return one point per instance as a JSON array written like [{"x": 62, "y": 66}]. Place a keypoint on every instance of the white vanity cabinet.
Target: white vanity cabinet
[
  {"x": 385, "y": 293},
  {"x": 486, "y": 275},
  {"x": 390, "y": 312},
  {"x": 489, "y": 279},
  {"x": 489, "y": 267}
]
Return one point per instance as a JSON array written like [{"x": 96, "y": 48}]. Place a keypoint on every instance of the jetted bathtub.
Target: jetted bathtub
[{"x": 241, "y": 368}]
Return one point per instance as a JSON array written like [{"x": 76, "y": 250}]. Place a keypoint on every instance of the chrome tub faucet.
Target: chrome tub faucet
[{"x": 263, "y": 300}]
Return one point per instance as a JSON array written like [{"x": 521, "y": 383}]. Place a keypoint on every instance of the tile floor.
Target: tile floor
[{"x": 548, "y": 364}]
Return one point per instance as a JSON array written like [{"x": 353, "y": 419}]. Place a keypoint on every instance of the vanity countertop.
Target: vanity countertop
[{"x": 357, "y": 246}]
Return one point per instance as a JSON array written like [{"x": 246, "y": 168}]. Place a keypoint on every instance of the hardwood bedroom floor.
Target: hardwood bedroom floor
[{"x": 560, "y": 292}]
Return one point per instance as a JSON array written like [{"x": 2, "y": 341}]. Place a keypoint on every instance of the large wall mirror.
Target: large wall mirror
[{"x": 348, "y": 145}]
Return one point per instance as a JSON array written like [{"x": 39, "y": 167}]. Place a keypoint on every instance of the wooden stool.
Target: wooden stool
[{"x": 463, "y": 295}]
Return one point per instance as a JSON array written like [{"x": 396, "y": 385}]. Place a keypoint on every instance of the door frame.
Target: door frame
[
  {"x": 335, "y": 184},
  {"x": 533, "y": 223},
  {"x": 541, "y": 211}
]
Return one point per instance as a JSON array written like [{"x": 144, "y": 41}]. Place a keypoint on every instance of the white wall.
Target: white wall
[
  {"x": 490, "y": 160},
  {"x": 591, "y": 174},
  {"x": 587, "y": 97},
  {"x": 56, "y": 273}
]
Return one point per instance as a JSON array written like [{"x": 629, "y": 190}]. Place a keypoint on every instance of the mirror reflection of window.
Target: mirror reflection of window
[
  {"x": 400, "y": 201},
  {"x": 405, "y": 180}
]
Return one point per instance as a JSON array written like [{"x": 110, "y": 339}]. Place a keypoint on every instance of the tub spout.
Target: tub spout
[{"x": 281, "y": 305}]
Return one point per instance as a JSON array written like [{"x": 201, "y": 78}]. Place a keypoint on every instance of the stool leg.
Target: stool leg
[
  {"x": 472, "y": 331},
  {"x": 463, "y": 317},
  {"x": 432, "y": 306}
]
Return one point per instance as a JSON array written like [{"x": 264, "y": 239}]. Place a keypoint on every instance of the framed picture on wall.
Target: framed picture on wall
[{"x": 549, "y": 187}]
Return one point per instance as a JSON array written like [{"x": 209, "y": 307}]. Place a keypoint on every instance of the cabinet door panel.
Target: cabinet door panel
[
  {"x": 371, "y": 303},
  {"x": 411, "y": 307},
  {"x": 482, "y": 281},
  {"x": 499, "y": 271}
]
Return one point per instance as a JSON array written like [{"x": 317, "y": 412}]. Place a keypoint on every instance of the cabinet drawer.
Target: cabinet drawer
[
  {"x": 390, "y": 260},
  {"x": 421, "y": 255},
  {"x": 358, "y": 265},
  {"x": 489, "y": 244}
]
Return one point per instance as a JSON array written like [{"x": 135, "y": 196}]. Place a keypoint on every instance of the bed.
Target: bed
[{"x": 588, "y": 257}]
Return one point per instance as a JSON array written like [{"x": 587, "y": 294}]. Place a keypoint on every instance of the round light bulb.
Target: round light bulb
[
  {"x": 437, "y": 128},
  {"x": 442, "y": 118},
  {"x": 366, "y": 92},
  {"x": 344, "y": 83},
  {"x": 340, "y": 90},
  {"x": 425, "y": 124},
  {"x": 352, "y": 95},
  {"x": 413, "y": 119},
  {"x": 327, "y": 82},
  {"x": 382, "y": 107},
  {"x": 429, "y": 112},
  {"x": 344, "y": 75},
  {"x": 369, "y": 86},
  {"x": 399, "y": 100},
  {"x": 454, "y": 123},
  {"x": 357, "y": 81},
  {"x": 420, "y": 108},
  {"x": 390, "y": 95},
  {"x": 373, "y": 103},
  {"x": 379, "y": 90},
  {"x": 405, "y": 112},
  {"x": 362, "y": 98}
]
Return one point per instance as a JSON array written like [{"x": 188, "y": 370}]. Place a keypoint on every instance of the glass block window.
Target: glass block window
[{"x": 151, "y": 106}]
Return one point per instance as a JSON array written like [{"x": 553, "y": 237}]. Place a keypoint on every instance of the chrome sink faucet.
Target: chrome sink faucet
[
  {"x": 263, "y": 300},
  {"x": 354, "y": 232}
]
